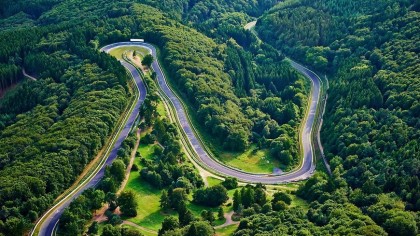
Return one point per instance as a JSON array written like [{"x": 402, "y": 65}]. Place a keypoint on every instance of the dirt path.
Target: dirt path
[
  {"x": 99, "y": 215},
  {"x": 139, "y": 227},
  {"x": 229, "y": 221},
  {"x": 132, "y": 157}
]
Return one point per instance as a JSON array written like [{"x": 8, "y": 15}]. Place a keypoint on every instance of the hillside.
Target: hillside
[
  {"x": 245, "y": 100},
  {"x": 369, "y": 50}
]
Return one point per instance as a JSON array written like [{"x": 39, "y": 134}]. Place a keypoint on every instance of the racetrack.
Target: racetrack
[
  {"x": 305, "y": 170},
  {"x": 307, "y": 166},
  {"x": 49, "y": 221}
]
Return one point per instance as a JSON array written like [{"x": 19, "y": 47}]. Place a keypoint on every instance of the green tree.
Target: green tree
[
  {"x": 127, "y": 203},
  {"x": 281, "y": 196},
  {"x": 111, "y": 198},
  {"x": 147, "y": 60},
  {"x": 201, "y": 228},
  {"x": 210, "y": 217},
  {"x": 236, "y": 200},
  {"x": 185, "y": 216},
  {"x": 220, "y": 213},
  {"x": 401, "y": 223},
  {"x": 178, "y": 197},
  {"x": 117, "y": 170},
  {"x": 248, "y": 198},
  {"x": 230, "y": 183},
  {"x": 164, "y": 200},
  {"x": 110, "y": 230},
  {"x": 93, "y": 228},
  {"x": 279, "y": 206},
  {"x": 212, "y": 196},
  {"x": 130, "y": 232},
  {"x": 169, "y": 223}
]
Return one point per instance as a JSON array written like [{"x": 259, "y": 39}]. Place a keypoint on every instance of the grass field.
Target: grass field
[
  {"x": 117, "y": 52},
  {"x": 161, "y": 109},
  {"x": 148, "y": 210},
  {"x": 143, "y": 232},
  {"x": 213, "y": 181},
  {"x": 226, "y": 231},
  {"x": 149, "y": 214},
  {"x": 252, "y": 160}
]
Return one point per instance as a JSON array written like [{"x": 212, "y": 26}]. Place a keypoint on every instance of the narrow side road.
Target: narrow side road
[
  {"x": 29, "y": 76},
  {"x": 49, "y": 220}
]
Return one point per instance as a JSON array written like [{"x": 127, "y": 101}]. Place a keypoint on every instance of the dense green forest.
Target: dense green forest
[
  {"x": 242, "y": 94},
  {"x": 64, "y": 118},
  {"x": 247, "y": 95},
  {"x": 51, "y": 128},
  {"x": 371, "y": 135}
]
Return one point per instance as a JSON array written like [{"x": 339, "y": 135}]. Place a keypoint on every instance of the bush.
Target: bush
[
  {"x": 280, "y": 196},
  {"x": 230, "y": 183},
  {"x": 213, "y": 196}
]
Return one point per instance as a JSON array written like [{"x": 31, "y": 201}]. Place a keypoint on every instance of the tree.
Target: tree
[
  {"x": 127, "y": 203},
  {"x": 230, "y": 183},
  {"x": 280, "y": 196},
  {"x": 96, "y": 198},
  {"x": 93, "y": 228},
  {"x": 147, "y": 60},
  {"x": 401, "y": 223},
  {"x": 236, "y": 200},
  {"x": 248, "y": 198},
  {"x": 108, "y": 185},
  {"x": 279, "y": 206},
  {"x": 130, "y": 232},
  {"x": 220, "y": 213},
  {"x": 110, "y": 230},
  {"x": 111, "y": 198},
  {"x": 212, "y": 196},
  {"x": 117, "y": 170},
  {"x": 114, "y": 219},
  {"x": 178, "y": 197},
  {"x": 210, "y": 217},
  {"x": 169, "y": 223},
  {"x": 186, "y": 217},
  {"x": 201, "y": 228},
  {"x": 260, "y": 196},
  {"x": 164, "y": 200},
  {"x": 266, "y": 208},
  {"x": 192, "y": 230}
]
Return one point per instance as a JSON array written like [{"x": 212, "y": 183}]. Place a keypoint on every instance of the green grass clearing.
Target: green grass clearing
[
  {"x": 252, "y": 160},
  {"x": 145, "y": 233},
  {"x": 148, "y": 209},
  {"x": 149, "y": 214},
  {"x": 226, "y": 231},
  {"x": 161, "y": 109},
  {"x": 117, "y": 52},
  {"x": 299, "y": 202},
  {"x": 213, "y": 181}
]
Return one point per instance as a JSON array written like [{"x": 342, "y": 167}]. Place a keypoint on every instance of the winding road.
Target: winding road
[
  {"x": 307, "y": 166},
  {"x": 50, "y": 219}
]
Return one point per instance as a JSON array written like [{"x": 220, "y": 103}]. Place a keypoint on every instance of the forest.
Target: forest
[
  {"x": 371, "y": 136},
  {"x": 242, "y": 93}
]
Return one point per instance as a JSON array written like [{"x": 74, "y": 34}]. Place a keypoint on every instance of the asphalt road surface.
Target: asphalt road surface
[
  {"x": 50, "y": 222},
  {"x": 303, "y": 172}
]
